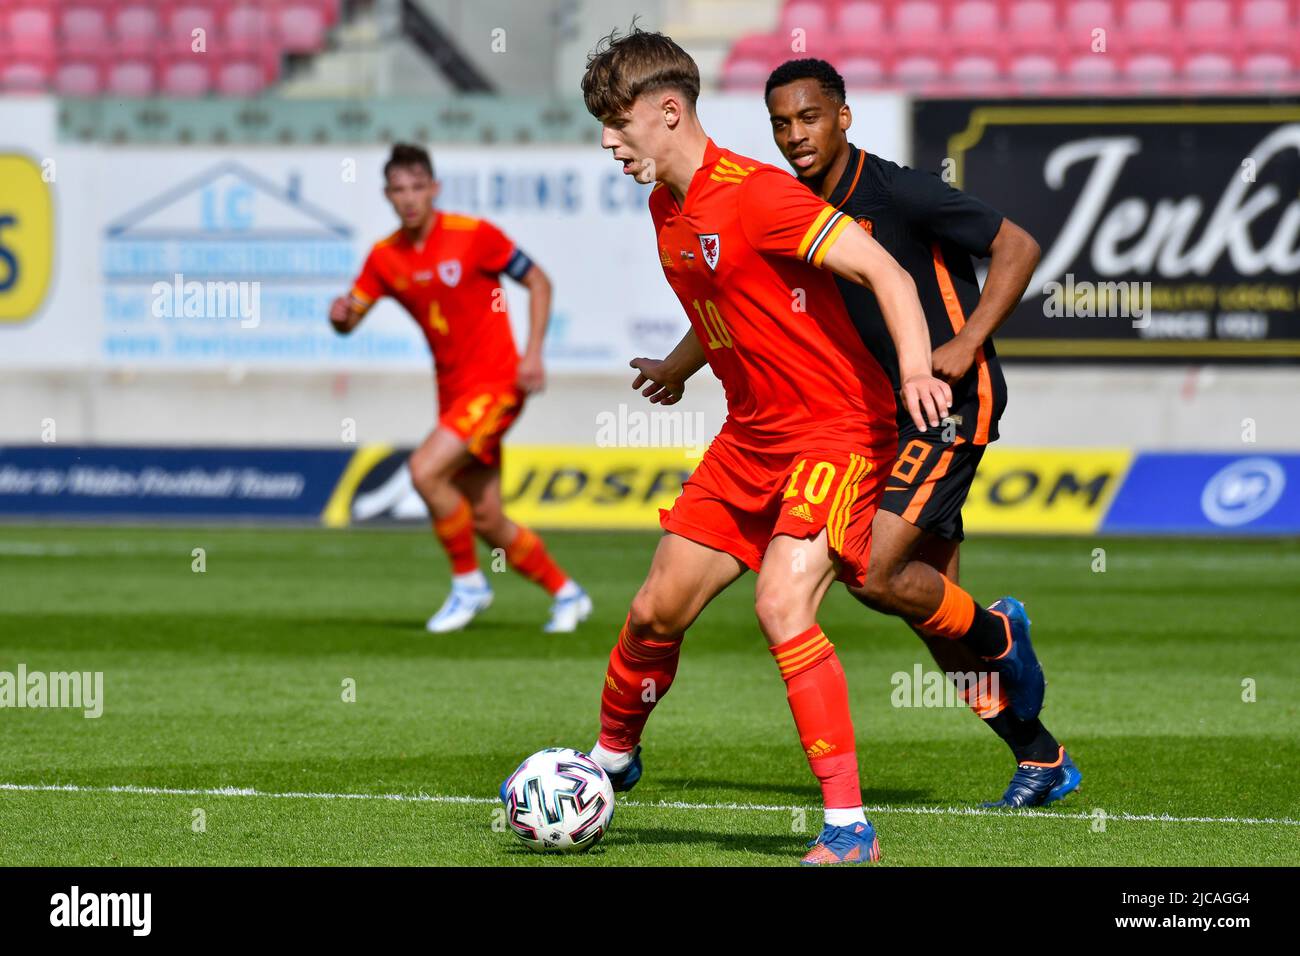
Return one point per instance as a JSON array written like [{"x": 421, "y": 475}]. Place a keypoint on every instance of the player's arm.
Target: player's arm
[
  {"x": 666, "y": 377},
  {"x": 1013, "y": 257},
  {"x": 347, "y": 311},
  {"x": 935, "y": 207},
  {"x": 856, "y": 256},
  {"x": 532, "y": 374}
]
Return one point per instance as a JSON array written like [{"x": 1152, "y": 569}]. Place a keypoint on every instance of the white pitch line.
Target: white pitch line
[{"x": 658, "y": 804}]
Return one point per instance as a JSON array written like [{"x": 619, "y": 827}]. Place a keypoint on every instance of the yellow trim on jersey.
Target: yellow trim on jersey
[
  {"x": 451, "y": 220},
  {"x": 815, "y": 228},
  {"x": 825, "y": 245}
]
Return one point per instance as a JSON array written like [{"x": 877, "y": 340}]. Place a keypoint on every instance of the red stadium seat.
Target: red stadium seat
[
  {"x": 1082, "y": 18},
  {"x": 1208, "y": 72},
  {"x": 82, "y": 29},
  {"x": 78, "y": 78},
  {"x": 301, "y": 28},
  {"x": 1094, "y": 72},
  {"x": 860, "y": 19},
  {"x": 807, "y": 15},
  {"x": 247, "y": 28},
  {"x": 917, "y": 70},
  {"x": 31, "y": 33},
  {"x": 1150, "y": 72},
  {"x": 185, "y": 76},
  {"x": 1149, "y": 16},
  {"x": 976, "y": 28},
  {"x": 975, "y": 71},
  {"x": 1031, "y": 17},
  {"x": 130, "y": 78},
  {"x": 862, "y": 70},
  {"x": 241, "y": 78},
  {"x": 25, "y": 76},
  {"x": 136, "y": 27},
  {"x": 184, "y": 18},
  {"x": 745, "y": 74},
  {"x": 1269, "y": 70},
  {"x": 1032, "y": 71}
]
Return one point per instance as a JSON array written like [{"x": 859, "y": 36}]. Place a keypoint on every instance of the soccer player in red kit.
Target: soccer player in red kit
[
  {"x": 789, "y": 486},
  {"x": 445, "y": 271}
]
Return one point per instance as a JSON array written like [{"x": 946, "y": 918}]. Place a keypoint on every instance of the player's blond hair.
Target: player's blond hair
[{"x": 621, "y": 68}]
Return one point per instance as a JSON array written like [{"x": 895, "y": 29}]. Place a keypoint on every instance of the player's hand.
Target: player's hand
[
  {"x": 532, "y": 376},
  {"x": 658, "y": 381},
  {"x": 926, "y": 399},
  {"x": 952, "y": 360},
  {"x": 341, "y": 315}
]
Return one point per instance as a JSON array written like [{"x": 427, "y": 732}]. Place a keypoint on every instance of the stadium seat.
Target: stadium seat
[
  {"x": 1150, "y": 71},
  {"x": 1092, "y": 72},
  {"x": 130, "y": 78},
  {"x": 1209, "y": 71},
  {"x": 862, "y": 71},
  {"x": 1031, "y": 17},
  {"x": 1085, "y": 16},
  {"x": 810, "y": 16},
  {"x": 183, "y": 19},
  {"x": 82, "y": 29},
  {"x": 916, "y": 70},
  {"x": 860, "y": 19},
  {"x": 1268, "y": 70},
  {"x": 976, "y": 28},
  {"x": 301, "y": 28},
  {"x": 30, "y": 33},
  {"x": 1032, "y": 71},
  {"x": 24, "y": 76},
  {"x": 136, "y": 28},
  {"x": 918, "y": 26},
  {"x": 745, "y": 74},
  {"x": 78, "y": 78},
  {"x": 975, "y": 71},
  {"x": 185, "y": 76},
  {"x": 247, "y": 29},
  {"x": 241, "y": 78}
]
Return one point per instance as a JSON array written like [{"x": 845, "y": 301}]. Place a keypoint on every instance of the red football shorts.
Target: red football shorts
[
  {"x": 738, "y": 500},
  {"x": 481, "y": 417}
]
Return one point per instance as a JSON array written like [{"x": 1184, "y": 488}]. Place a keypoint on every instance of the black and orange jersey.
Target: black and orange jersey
[{"x": 932, "y": 230}]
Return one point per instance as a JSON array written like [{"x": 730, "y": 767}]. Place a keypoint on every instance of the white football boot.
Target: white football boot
[
  {"x": 572, "y": 606},
  {"x": 463, "y": 604}
]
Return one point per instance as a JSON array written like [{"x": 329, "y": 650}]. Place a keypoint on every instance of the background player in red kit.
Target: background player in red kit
[
  {"x": 445, "y": 271},
  {"x": 789, "y": 485}
]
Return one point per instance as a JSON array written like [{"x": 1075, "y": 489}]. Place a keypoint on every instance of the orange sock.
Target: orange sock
[
  {"x": 819, "y": 699},
  {"x": 456, "y": 532},
  {"x": 640, "y": 672},
  {"x": 987, "y": 633},
  {"x": 955, "y": 614},
  {"x": 527, "y": 555}
]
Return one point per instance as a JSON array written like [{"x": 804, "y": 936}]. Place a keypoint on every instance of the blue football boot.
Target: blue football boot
[
  {"x": 1018, "y": 666},
  {"x": 1033, "y": 785}
]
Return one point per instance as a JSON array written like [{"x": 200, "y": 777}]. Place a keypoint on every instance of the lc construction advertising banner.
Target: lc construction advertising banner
[
  {"x": 1169, "y": 230},
  {"x": 1017, "y": 491}
]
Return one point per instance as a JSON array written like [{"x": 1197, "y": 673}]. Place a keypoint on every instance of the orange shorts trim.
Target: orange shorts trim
[{"x": 481, "y": 418}]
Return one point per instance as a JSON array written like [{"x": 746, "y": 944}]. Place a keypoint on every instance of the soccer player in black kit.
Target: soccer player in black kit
[{"x": 933, "y": 230}]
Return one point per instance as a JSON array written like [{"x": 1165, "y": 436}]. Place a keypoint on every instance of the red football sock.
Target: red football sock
[
  {"x": 528, "y": 556},
  {"x": 456, "y": 532},
  {"x": 640, "y": 672},
  {"x": 819, "y": 700}
]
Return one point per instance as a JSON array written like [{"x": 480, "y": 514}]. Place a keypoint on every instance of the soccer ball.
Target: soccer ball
[{"x": 559, "y": 801}]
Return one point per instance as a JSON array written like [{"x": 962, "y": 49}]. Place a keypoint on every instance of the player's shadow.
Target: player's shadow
[
  {"x": 681, "y": 788},
  {"x": 779, "y": 845}
]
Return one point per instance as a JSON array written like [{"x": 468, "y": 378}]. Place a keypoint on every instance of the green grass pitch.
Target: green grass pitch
[{"x": 234, "y": 677}]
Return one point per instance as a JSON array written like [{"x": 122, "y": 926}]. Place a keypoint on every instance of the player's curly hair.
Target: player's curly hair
[
  {"x": 622, "y": 67},
  {"x": 408, "y": 154},
  {"x": 827, "y": 76}
]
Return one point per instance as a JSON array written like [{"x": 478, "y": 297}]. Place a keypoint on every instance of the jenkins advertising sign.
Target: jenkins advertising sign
[{"x": 1168, "y": 230}]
